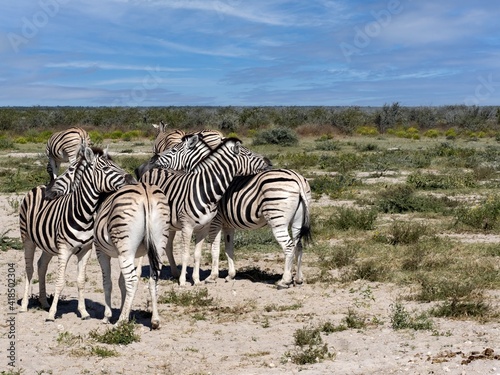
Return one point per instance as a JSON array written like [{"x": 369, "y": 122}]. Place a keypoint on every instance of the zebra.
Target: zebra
[
  {"x": 279, "y": 198},
  {"x": 193, "y": 196},
  {"x": 64, "y": 146},
  {"x": 131, "y": 223},
  {"x": 132, "y": 209},
  {"x": 64, "y": 226},
  {"x": 166, "y": 140}
]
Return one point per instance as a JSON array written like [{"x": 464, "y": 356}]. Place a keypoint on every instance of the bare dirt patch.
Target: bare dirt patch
[{"x": 248, "y": 329}]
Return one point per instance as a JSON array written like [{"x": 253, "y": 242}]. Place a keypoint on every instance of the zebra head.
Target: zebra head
[
  {"x": 184, "y": 155},
  {"x": 107, "y": 176},
  {"x": 246, "y": 161}
]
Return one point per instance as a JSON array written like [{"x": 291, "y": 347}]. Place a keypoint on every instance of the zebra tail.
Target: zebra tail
[
  {"x": 153, "y": 255},
  {"x": 305, "y": 230}
]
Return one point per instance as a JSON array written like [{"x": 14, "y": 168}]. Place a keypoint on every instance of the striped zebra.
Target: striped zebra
[
  {"x": 166, "y": 140},
  {"x": 279, "y": 198},
  {"x": 64, "y": 146},
  {"x": 193, "y": 196},
  {"x": 124, "y": 229},
  {"x": 63, "y": 227},
  {"x": 131, "y": 223}
]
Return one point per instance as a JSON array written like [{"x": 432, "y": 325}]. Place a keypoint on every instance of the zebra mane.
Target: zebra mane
[{"x": 210, "y": 156}]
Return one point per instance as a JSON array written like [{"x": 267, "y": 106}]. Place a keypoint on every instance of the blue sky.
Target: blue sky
[{"x": 259, "y": 52}]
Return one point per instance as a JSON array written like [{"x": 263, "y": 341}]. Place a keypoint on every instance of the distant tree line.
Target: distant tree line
[{"x": 303, "y": 119}]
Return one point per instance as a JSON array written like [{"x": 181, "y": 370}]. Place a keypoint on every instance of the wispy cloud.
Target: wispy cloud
[{"x": 231, "y": 52}]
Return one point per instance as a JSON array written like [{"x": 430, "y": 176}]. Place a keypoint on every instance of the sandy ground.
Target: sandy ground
[{"x": 247, "y": 330}]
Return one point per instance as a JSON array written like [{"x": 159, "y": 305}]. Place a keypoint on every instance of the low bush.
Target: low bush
[
  {"x": 345, "y": 218},
  {"x": 276, "y": 136}
]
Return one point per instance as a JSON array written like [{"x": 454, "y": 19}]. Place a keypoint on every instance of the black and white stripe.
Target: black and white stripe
[
  {"x": 166, "y": 140},
  {"x": 63, "y": 146},
  {"x": 193, "y": 197},
  {"x": 63, "y": 227},
  {"x": 279, "y": 198}
]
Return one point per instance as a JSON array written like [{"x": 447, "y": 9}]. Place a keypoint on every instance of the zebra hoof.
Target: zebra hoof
[
  {"x": 283, "y": 285},
  {"x": 155, "y": 324},
  {"x": 298, "y": 282},
  {"x": 86, "y": 317},
  {"x": 50, "y": 319}
]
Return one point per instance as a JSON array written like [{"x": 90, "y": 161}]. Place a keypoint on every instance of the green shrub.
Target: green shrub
[
  {"x": 5, "y": 143},
  {"x": 343, "y": 162},
  {"x": 345, "y": 218},
  {"x": 402, "y": 319},
  {"x": 429, "y": 181},
  {"x": 327, "y": 146},
  {"x": 96, "y": 137},
  {"x": 121, "y": 334},
  {"x": 276, "y": 136},
  {"x": 115, "y": 134},
  {"x": 432, "y": 133},
  {"x": 406, "y": 232},
  {"x": 331, "y": 185},
  {"x": 295, "y": 160},
  {"x": 197, "y": 297},
  {"x": 367, "y": 130},
  {"x": 396, "y": 199},
  {"x": 21, "y": 140},
  {"x": 309, "y": 347},
  {"x": 485, "y": 216}
]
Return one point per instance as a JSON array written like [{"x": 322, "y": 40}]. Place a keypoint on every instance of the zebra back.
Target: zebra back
[
  {"x": 165, "y": 140},
  {"x": 209, "y": 178},
  {"x": 64, "y": 146}
]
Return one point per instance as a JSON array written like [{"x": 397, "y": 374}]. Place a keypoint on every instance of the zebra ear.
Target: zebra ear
[
  {"x": 192, "y": 141},
  {"x": 163, "y": 127},
  {"x": 105, "y": 152},
  {"x": 237, "y": 147},
  {"x": 88, "y": 154}
]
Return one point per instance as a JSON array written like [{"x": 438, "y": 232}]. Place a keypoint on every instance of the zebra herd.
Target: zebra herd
[{"x": 198, "y": 183}]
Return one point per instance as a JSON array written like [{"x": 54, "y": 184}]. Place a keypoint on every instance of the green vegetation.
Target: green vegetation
[
  {"x": 121, "y": 334},
  {"x": 309, "y": 347}
]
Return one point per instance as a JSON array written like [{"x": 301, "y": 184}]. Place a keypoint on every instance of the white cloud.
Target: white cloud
[{"x": 110, "y": 66}]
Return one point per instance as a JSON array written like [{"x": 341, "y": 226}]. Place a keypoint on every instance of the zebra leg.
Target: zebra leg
[
  {"x": 29, "y": 255},
  {"x": 83, "y": 258},
  {"x": 200, "y": 238},
  {"x": 280, "y": 232},
  {"x": 153, "y": 291},
  {"x": 229, "y": 245},
  {"x": 43, "y": 263},
  {"x": 129, "y": 277},
  {"x": 62, "y": 258},
  {"x": 214, "y": 238},
  {"x": 186, "y": 233},
  {"x": 298, "y": 219},
  {"x": 299, "y": 279},
  {"x": 107, "y": 284},
  {"x": 170, "y": 254}
]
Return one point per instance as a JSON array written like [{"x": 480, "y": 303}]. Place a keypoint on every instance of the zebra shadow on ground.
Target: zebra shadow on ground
[
  {"x": 95, "y": 309},
  {"x": 254, "y": 274}
]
